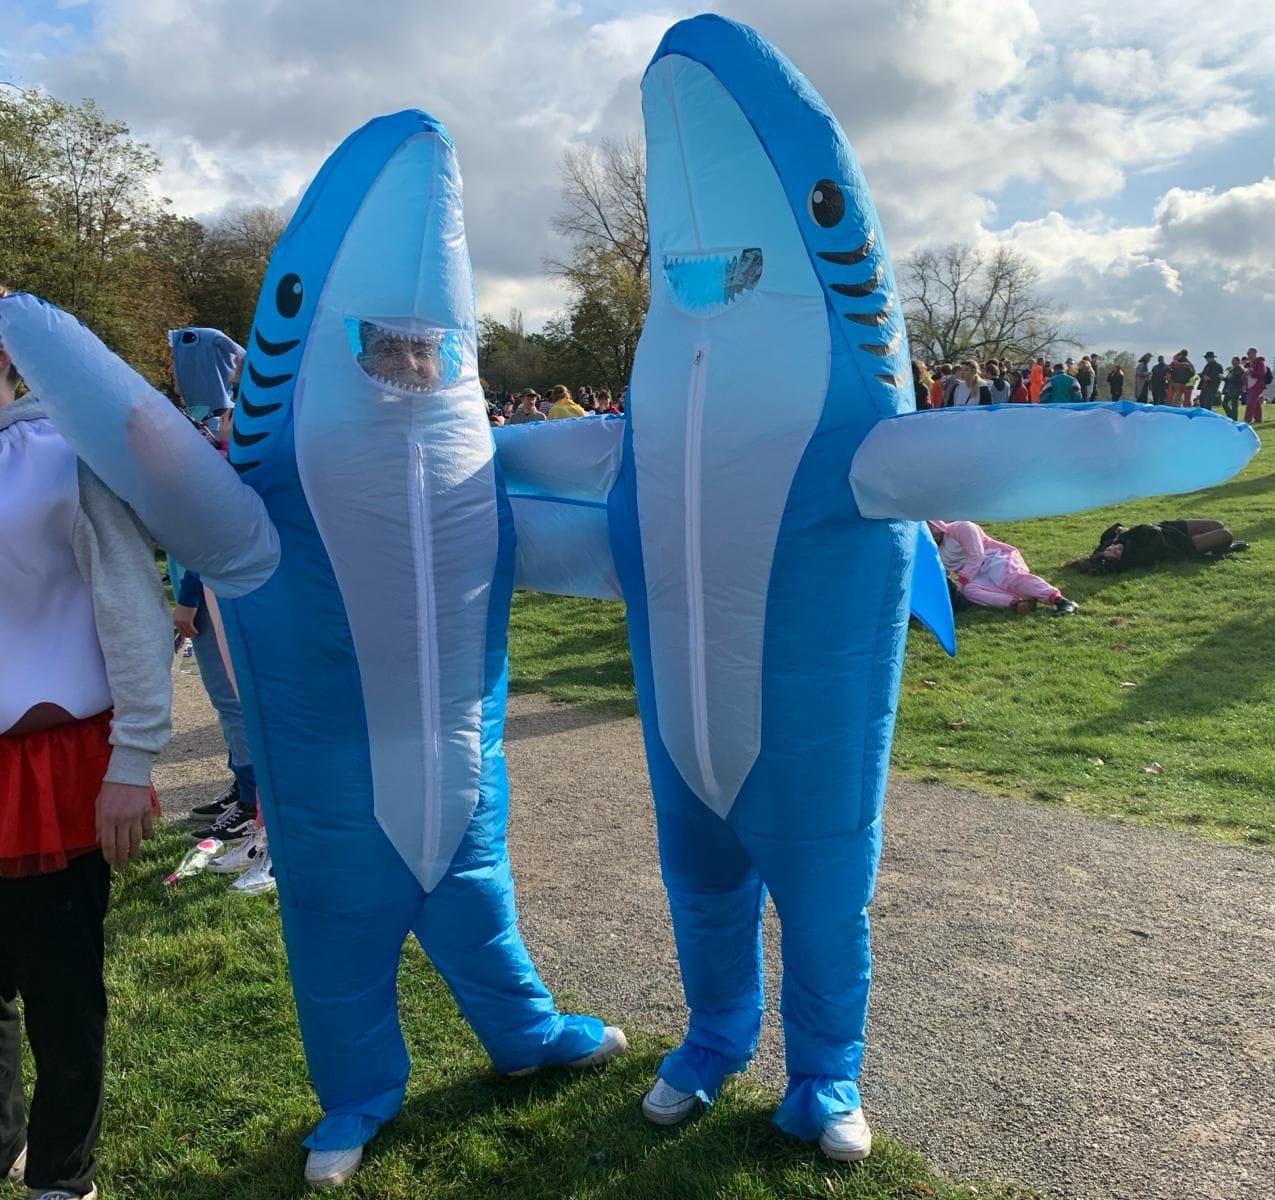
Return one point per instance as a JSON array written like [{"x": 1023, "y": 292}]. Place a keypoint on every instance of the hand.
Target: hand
[
  {"x": 124, "y": 819},
  {"x": 184, "y": 620}
]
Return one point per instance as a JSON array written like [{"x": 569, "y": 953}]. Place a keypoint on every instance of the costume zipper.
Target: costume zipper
[{"x": 427, "y": 657}]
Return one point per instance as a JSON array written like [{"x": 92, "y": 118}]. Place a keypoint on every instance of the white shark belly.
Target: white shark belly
[
  {"x": 403, "y": 494},
  {"x": 724, "y": 409}
]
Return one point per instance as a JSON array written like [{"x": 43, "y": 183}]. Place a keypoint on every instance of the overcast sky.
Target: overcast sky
[{"x": 1126, "y": 147}]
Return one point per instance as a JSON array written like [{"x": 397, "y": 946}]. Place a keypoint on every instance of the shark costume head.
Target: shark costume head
[
  {"x": 369, "y": 629},
  {"x": 204, "y": 362}
]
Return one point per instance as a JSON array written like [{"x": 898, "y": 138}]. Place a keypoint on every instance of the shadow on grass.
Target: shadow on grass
[{"x": 1218, "y": 672}]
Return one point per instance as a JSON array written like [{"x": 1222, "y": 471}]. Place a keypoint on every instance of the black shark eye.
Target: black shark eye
[
  {"x": 288, "y": 296},
  {"x": 189, "y": 337},
  {"x": 827, "y": 203}
]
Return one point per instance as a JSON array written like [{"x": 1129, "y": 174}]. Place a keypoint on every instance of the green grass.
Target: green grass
[
  {"x": 207, "y": 1097},
  {"x": 1029, "y": 704}
]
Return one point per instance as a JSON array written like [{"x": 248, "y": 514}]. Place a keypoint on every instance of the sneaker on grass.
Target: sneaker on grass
[
  {"x": 60, "y": 1194},
  {"x": 847, "y": 1138},
  {"x": 242, "y": 855},
  {"x": 332, "y": 1168},
  {"x": 214, "y": 808},
  {"x": 666, "y": 1105},
  {"x": 259, "y": 877},
  {"x": 19, "y": 1166},
  {"x": 238, "y": 821}
]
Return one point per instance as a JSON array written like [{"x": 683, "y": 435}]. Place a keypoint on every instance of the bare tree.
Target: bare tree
[
  {"x": 603, "y": 213},
  {"x": 961, "y": 303}
]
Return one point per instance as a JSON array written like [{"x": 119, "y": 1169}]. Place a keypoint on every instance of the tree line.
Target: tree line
[{"x": 82, "y": 226}]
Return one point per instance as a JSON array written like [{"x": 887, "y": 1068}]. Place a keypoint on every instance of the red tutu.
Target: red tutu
[{"x": 49, "y": 783}]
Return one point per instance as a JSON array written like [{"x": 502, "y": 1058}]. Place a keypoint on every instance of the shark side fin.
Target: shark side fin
[
  {"x": 142, "y": 448},
  {"x": 1011, "y": 462},
  {"x": 931, "y": 599},
  {"x": 558, "y": 475}
]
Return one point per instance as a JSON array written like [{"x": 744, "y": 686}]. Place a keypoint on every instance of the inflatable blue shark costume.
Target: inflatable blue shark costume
[
  {"x": 366, "y": 576},
  {"x": 767, "y": 594}
]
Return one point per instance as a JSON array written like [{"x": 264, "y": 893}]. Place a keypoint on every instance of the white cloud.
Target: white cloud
[{"x": 948, "y": 103}]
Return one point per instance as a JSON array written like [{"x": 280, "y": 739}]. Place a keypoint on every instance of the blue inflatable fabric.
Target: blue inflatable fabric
[
  {"x": 204, "y": 362},
  {"x": 372, "y": 662}
]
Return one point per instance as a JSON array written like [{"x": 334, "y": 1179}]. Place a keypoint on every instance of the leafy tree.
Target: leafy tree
[{"x": 961, "y": 303}]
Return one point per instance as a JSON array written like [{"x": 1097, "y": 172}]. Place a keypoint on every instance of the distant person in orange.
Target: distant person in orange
[{"x": 1037, "y": 381}]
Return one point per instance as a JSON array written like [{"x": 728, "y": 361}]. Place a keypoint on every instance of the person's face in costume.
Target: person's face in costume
[{"x": 403, "y": 362}]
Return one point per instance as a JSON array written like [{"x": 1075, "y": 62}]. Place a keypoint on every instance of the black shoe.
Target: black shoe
[
  {"x": 1237, "y": 548},
  {"x": 238, "y": 821},
  {"x": 214, "y": 808},
  {"x": 1064, "y": 607}
]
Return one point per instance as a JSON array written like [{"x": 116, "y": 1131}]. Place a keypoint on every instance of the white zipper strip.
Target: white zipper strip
[
  {"x": 427, "y": 657},
  {"x": 698, "y": 648}
]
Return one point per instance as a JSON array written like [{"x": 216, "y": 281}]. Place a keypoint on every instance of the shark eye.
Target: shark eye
[
  {"x": 827, "y": 203},
  {"x": 288, "y": 295}
]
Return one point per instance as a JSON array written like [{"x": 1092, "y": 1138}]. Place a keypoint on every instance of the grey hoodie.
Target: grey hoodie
[{"x": 116, "y": 556}]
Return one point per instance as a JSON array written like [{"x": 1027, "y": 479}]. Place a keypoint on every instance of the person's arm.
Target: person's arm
[
  {"x": 116, "y": 558},
  {"x": 970, "y": 538},
  {"x": 189, "y": 594}
]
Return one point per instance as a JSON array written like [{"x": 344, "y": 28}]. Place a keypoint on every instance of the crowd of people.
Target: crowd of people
[
  {"x": 528, "y": 405},
  {"x": 1177, "y": 382}
]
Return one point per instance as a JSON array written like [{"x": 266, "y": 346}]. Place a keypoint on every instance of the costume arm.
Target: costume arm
[
  {"x": 117, "y": 560},
  {"x": 971, "y": 539},
  {"x": 931, "y": 601},
  {"x": 558, "y": 475},
  {"x": 1012, "y": 463},
  {"x": 142, "y": 448}
]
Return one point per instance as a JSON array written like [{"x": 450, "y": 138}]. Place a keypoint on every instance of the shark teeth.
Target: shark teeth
[
  {"x": 418, "y": 361},
  {"x": 709, "y": 283}
]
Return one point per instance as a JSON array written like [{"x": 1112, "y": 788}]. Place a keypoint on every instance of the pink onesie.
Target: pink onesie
[{"x": 988, "y": 572}]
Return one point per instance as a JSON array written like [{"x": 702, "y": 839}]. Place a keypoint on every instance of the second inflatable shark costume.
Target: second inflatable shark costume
[
  {"x": 768, "y": 592},
  {"x": 371, "y": 659}
]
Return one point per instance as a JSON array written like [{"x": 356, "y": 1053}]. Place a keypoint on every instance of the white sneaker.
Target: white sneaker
[
  {"x": 242, "y": 855},
  {"x": 259, "y": 877},
  {"x": 332, "y": 1168},
  {"x": 847, "y": 1138},
  {"x": 666, "y": 1105},
  {"x": 19, "y": 1167},
  {"x": 613, "y": 1044}
]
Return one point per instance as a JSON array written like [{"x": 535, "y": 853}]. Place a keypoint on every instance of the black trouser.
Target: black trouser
[
  {"x": 1231, "y": 406},
  {"x": 51, "y": 955}
]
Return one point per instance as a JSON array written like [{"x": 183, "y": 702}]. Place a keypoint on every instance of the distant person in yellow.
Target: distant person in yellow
[{"x": 563, "y": 405}]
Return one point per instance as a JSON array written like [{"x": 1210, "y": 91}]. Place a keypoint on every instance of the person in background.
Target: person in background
[
  {"x": 563, "y": 405},
  {"x": 1123, "y": 548},
  {"x": 950, "y": 380},
  {"x": 1115, "y": 382},
  {"x": 1255, "y": 380},
  {"x": 605, "y": 406},
  {"x": 993, "y": 573},
  {"x": 205, "y": 370},
  {"x": 969, "y": 389},
  {"x": 921, "y": 384},
  {"x": 1233, "y": 389},
  {"x": 1018, "y": 389},
  {"x": 1060, "y": 388},
  {"x": 1087, "y": 379},
  {"x": 1142, "y": 379},
  {"x": 1036, "y": 381},
  {"x": 1159, "y": 381},
  {"x": 1095, "y": 362},
  {"x": 526, "y": 410},
  {"x": 1210, "y": 381},
  {"x": 85, "y": 703},
  {"x": 998, "y": 386},
  {"x": 1181, "y": 373}
]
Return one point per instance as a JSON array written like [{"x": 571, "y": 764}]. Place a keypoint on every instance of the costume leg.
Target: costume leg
[
  {"x": 468, "y": 925},
  {"x": 988, "y": 595},
  {"x": 821, "y": 887},
  {"x": 221, "y": 693},
  {"x": 715, "y": 899},
  {"x": 346, "y": 900},
  {"x": 1027, "y": 586}
]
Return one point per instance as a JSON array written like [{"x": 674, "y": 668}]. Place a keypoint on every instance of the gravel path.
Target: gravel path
[{"x": 1085, "y": 1006}]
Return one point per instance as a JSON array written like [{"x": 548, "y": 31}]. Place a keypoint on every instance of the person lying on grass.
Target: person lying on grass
[
  {"x": 993, "y": 573},
  {"x": 1122, "y": 548}
]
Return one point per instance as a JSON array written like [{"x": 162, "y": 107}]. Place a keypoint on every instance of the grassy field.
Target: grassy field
[
  {"x": 1156, "y": 703},
  {"x": 208, "y": 1100}
]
